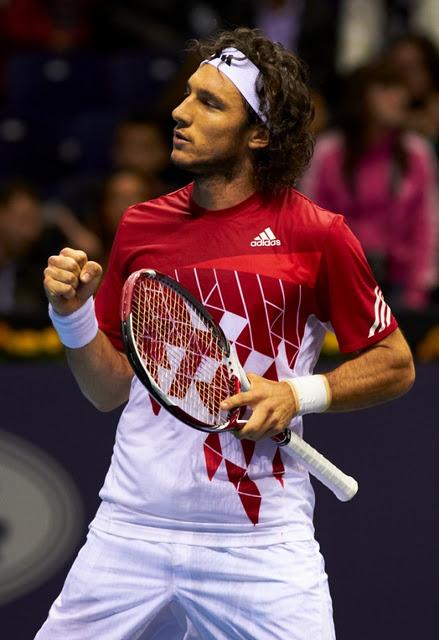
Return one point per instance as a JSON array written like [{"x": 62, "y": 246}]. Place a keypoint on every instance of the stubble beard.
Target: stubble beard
[{"x": 226, "y": 167}]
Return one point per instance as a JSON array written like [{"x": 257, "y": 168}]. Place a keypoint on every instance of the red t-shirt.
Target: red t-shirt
[{"x": 272, "y": 264}]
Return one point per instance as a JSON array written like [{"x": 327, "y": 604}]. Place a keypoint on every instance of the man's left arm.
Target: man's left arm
[
  {"x": 377, "y": 374},
  {"x": 380, "y": 373}
]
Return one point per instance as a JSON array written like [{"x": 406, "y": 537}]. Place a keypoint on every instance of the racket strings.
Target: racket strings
[{"x": 181, "y": 352}]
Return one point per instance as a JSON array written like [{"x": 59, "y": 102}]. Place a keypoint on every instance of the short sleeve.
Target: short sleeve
[
  {"x": 348, "y": 295},
  {"x": 108, "y": 298}
]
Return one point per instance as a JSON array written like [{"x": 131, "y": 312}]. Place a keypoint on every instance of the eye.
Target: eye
[{"x": 209, "y": 103}]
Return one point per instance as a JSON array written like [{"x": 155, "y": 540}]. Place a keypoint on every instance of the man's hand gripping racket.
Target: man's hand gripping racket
[{"x": 187, "y": 364}]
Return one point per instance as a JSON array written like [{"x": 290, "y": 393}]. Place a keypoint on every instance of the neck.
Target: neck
[
  {"x": 221, "y": 192},
  {"x": 213, "y": 193}
]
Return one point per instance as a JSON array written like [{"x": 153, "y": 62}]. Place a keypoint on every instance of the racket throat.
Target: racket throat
[{"x": 235, "y": 415}]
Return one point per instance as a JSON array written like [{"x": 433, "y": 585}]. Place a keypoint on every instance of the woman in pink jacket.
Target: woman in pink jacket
[{"x": 384, "y": 180}]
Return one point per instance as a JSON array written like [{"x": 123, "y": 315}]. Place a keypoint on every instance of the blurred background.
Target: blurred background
[{"x": 86, "y": 92}]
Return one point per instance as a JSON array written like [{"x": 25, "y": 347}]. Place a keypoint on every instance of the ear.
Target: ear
[{"x": 258, "y": 138}]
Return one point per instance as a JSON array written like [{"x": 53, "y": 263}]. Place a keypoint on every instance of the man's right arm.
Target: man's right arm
[{"x": 103, "y": 374}]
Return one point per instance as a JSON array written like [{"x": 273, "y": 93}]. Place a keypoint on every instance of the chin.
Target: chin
[
  {"x": 178, "y": 159},
  {"x": 183, "y": 163}
]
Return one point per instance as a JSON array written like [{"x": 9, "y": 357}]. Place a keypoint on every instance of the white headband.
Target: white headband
[{"x": 242, "y": 72}]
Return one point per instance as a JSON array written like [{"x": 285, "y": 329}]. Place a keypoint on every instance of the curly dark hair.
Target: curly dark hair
[{"x": 285, "y": 101}]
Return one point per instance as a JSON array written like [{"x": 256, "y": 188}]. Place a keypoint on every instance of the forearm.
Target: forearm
[
  {"x": 103, "y": 374},
  {"x": 381, "y": 373}
]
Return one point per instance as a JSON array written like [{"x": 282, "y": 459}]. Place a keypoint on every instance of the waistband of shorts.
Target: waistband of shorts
[{"x": 253, "y": 536}]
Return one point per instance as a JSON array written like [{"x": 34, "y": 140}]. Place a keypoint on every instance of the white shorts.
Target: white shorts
[{"x": 125, "y": 589}]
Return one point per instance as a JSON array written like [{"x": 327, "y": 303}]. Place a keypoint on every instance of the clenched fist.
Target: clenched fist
[{"x": 70, "y": 279}]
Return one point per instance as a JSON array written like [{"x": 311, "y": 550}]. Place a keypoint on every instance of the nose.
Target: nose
[{"x": 181, "y": 113}]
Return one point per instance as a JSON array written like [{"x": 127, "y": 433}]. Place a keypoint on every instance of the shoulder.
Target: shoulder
[
  {"x": 307, "y": 213},
  {"x": 178, "y": 198},
  {"x": 171, "y": 203},
  {"x": 305, "y": 223}
]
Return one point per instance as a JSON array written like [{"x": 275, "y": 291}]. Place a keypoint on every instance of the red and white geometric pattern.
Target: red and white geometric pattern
[
  {"x": 259, "y": 314},
  {"x": 247, "y": 489},
  {"x": 252, "y": 311}
]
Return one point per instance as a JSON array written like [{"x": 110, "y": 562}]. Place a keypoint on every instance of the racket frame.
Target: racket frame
[{"x": 236, "y": 373}]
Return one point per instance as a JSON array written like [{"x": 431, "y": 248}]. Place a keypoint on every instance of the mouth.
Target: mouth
[{"x": 179, "y": 138}]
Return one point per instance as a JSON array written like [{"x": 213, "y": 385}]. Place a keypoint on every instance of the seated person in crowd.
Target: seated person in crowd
[
  {"x": 114, "y": 193},
  {"x": 21, "y": 253},
  {"x": 139, "y": 145},
  {"x": 120, "y": 190},
  {"x": 142, "y": 145}
]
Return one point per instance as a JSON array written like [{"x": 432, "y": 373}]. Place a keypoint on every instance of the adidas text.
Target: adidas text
[{"x": 264, "y": 243}]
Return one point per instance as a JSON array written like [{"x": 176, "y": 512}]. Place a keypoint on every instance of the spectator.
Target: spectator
[
  {"x": 139, "y": 144},
  {"x": 65, "y": 228},
  {"x": 112, "y": 196},
  {"x": 21, "y": 234},
  {"x": 121, "y": 190},
  {"x": 384, "y": 181},
  {"x": 417, "y": 60}
]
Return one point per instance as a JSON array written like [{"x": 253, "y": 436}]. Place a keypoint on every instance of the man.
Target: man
[{"x": 220, "y": 527}]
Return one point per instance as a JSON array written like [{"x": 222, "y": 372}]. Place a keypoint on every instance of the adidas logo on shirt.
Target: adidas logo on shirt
[{"x": 265, "y": 239}]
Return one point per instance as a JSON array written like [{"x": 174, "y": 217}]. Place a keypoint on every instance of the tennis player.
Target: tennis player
[{"x": 203, "y": 535}]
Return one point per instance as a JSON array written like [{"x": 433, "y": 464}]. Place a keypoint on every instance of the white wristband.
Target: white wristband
[
  {"x": 77, "y": 329},
  {"x": 312, "y": 393}
]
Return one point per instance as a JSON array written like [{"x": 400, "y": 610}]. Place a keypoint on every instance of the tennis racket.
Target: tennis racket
[{"x": 187, "y": 364}]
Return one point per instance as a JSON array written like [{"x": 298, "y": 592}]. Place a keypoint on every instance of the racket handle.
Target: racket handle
[{"x": 342, "y": 485}]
